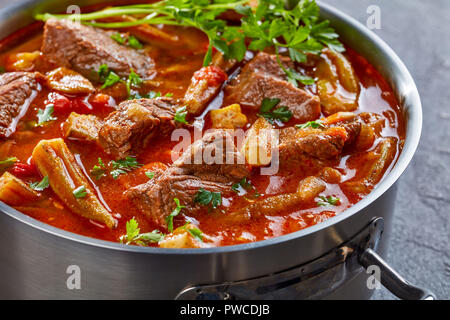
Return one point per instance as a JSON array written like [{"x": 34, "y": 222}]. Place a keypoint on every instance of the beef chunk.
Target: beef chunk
[
  {"x": 84, "y": 49},
  {"x": 82, "y": 127},
  {"x": 17, "y": 91},
  {"x": 155, "y": 198},
  {"x": 214, "y": 158},
  {"x": 321, "y": 144},
  {"x": 185, "y": 178},
  {"x": 263, "y": 78},
  {"x": 129, "y": 129}
]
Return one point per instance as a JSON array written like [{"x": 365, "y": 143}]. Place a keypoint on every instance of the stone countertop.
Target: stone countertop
[{"x": 418, "y": 31}]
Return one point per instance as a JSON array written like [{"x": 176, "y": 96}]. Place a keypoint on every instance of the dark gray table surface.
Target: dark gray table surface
[{"x": 419, "y": 31}]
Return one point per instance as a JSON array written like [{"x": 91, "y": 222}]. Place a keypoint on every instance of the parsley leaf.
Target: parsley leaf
[
  {"x": 118, "y": 38},
  {"x": 244, "y": 186},
  {"x": 267, "y": 111},
  {"x": 150, "y": 174},
  {"x": 130, "y": 41},
  {"x": 124, "y": 166},
  {"x": 134, "y": 43},
  {"x": 175, "y": 212},
  {"x": 133, "y": 80},
  {"x": 99, "y": 171},
  {"x": 326, "y": 201},
  {"x": 180, "y": 115},
  {"x": 313, "y": 124},
  {"x": 295, "y": 27},
  {"x": 111, "y": 79},
  {"x": 45, "y": 115},
  {"x": 134, "y": 236},
  {"x": 206, "y": 197},
  {"x": 194, "y": 232},
  {"x": 80, "y": 192},
  {"x": 103, "y": 72},
  {"x": 40, "y": 186}
]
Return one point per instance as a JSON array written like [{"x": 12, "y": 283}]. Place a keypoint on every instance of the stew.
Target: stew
[{"x": 190, "y": 124}]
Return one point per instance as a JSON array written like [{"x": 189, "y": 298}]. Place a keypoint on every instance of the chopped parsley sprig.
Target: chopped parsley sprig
[
  {"x": 297, "y": 30},
  {"x": 124, "y": 166},
  {"x": 41, "y": 185},
  {"x": 207, "y": 198},
  {"x": 173, "y": 214},
  {"x": 133, "y": 235},
  {"x": 118, "y": 167},
  {"x": 270, "y": 113},
  {"x": 45, "y": 115},
  {"x": 328, "y": 201}
]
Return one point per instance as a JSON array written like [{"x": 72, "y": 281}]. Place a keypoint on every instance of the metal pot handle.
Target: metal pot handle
[
  {"x": 317, "y": 278},
  {"x": 392, "y": 280}
]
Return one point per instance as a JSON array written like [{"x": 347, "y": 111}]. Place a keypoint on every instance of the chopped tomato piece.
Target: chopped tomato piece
[
  {"x": 23, "y": 169},
  {"x": 102, "y": 101},
  {"x": 213, "y": 74},
  {"x": 61, "y": 103},
  {"x": 81, "y": 105}
]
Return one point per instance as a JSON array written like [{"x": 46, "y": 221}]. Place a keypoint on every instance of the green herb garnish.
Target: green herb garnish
[
  {"x": 40, "y": 186},
  {"x": 326, "y": 201},
  {"x": 80, "y": 192},
  {"x": 244, "y": 186},
  {"x": 313, "y": 124},
  {"x": 134, "y": 236},
  {"x": 180, "y": 115},
  {"x": 111, "y": 80},
  {"x": 124, "y": 166},
  {"x": 99, "y": 171},
  {"x": 118, "y": 38},
  {"x": 150, "y": 174},
  {"x": 273, "y": 24},
  {"x": 194, "y": 232},
  {"x": 271, "y": 114},
  {"x": 134, "y": 43},
  {"x": 45, "y": 115},
  {"x": 206, "y": 197},
  {"x": 175, "y": 212},
  {"x": 131, "y": 41}
]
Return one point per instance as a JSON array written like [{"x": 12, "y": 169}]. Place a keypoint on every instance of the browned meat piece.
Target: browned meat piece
[
  {"x": 183, "y": 180},
  {"x": 84, "y": 49},
  {"x": 155, "y": 198},
  {"x": 263, "y": 78},
  {"x": 17, "y": 91},
  {"x": 214, "y": 158},
  {"x": 82, "y": 127},
  {"x": 322, "y": 144},
  {"x": 129, "y": 129}
]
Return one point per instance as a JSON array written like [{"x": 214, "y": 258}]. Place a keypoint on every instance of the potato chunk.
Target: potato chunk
[
  {"x": 82, "y": 127},
  {"x": 14, "y": 191},
  {"x": 229, "y": 117},
  {"x": 54, "y": 159},
  {"x": 181, "y": 238},
  {"x": 22, "y": 61},
  {"x": 258, "y": 143},
  {"x": 68, "y": 81}
]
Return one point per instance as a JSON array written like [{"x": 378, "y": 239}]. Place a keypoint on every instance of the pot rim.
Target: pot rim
[{"x": 414, "y": 128}]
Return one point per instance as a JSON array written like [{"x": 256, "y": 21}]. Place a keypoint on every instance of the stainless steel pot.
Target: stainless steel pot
[{"x": 324, "y": 261}]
